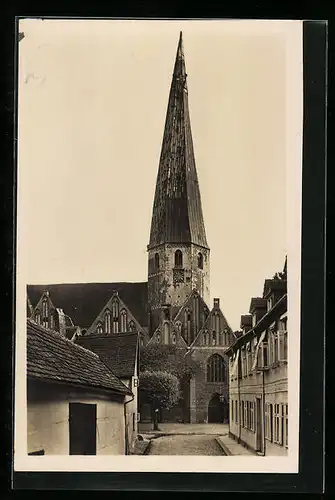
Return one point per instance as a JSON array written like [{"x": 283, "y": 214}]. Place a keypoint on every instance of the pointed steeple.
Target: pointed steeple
[{"x": 177, "y": 212}]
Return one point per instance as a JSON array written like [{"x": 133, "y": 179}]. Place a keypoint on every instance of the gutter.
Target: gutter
[{"x": 126, "y": 439}]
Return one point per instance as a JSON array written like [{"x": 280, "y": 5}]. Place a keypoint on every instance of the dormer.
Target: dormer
[
  {"x": 258, "y": 307},
  {"x": 273, "y": 290},
  {"x": 246, "y": 323}
]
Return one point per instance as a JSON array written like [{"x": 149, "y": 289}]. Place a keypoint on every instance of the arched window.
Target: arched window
[
  {"x": 166, "y": 332},
  {"x": 200, "y": 261},
  {"x": 158, "y": 336},
  {"x": 108, "y": 322},
  {"x": 99, "y": 328},
  {"x": 178, "y": 326},
  {"x": 173, "y": 338},
  {"x": 52, "y": 322},
  {"x": 45, "y": 308},
  {"x": 132, "y": 326},
  {"x": 115, "y": 313},
  {"x": 187, "y": 325},
  {"x": 178, "y": 259},
  {"x": 38, "y": 317},
  {"x": 216, "y": 369},
  {"x": 123, "y": 318},
  {"x": 156, "y": 262}
]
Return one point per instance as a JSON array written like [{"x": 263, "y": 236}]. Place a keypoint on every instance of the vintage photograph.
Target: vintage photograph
[{"x": 158, "y": 225}]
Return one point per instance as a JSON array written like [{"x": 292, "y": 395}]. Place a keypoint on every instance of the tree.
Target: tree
[
  {"x": 169, "y": 358},
  {"x": 161, "y": 389}
]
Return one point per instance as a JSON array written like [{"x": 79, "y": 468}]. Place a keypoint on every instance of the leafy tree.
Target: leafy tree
[
  {"x": 169, "y": 358},
  {"x": 161, "y": 389}
]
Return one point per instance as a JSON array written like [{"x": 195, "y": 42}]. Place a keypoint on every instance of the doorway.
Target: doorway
[
  {"x": 83, "y": 428},
  {"x": 218, "y": 410}
]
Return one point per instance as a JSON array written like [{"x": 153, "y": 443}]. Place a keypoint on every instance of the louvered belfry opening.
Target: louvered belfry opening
[{"x": 177, "y": 212}]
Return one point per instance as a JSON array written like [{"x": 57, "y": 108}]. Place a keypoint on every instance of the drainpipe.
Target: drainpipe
[
  {"x": 126, "y": 437},
  {"x": 263, "y": 397},
  {"x": 239, "y": 401}
]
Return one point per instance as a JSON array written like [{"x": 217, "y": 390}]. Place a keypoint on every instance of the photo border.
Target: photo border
[{"x": 312, "y": 388}]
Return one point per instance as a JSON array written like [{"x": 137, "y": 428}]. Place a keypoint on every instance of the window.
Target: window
[
  {"x": 115, "y": 309},
  {"x": 242, "y": 413},
  {"x": 38, "y": 317},
  {"x": 282, "y": 346},
  {"x": 187, "y": 325},
  {"x": 107, "y": 322},
  {"x": 285, "y": 423},
  {"x": 173, "y": 338},
  {"x": 99, "y": 328},
  {"x": 178, "y": 259},
  {"x": 158, "y": 337},
  {"x": 200, "y": 261},
  {"x": 132, "y": 326},
  {"x": 236, "y": 412},
  {"x": 123, "y": 320},
  {"x": 52, "y": 322},
  {"x": 248, "y": 358},
  {"x": 268, "y": 421},
  {"x": 166, "y": 332},
  {"x": 215, "y": 369},
  {"x": 156, "y": 262},
  {"x": 277, "y": 427},
  {"x": 269, "y": 303},
  {"x": 134, "y": 421},
  {"x": 245, "y": 409}
]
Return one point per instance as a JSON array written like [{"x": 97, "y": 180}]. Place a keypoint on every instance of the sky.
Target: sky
[{"x": 92, "y": 99}]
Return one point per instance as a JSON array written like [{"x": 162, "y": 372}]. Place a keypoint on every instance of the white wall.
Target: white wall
[{"x": 48, "y": 421}]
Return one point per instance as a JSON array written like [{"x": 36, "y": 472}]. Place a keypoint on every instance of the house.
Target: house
[
  {"x": 75, "y": 404},
  {"x": 121, "y": 354},
  {"x": 258, "y": 373}
]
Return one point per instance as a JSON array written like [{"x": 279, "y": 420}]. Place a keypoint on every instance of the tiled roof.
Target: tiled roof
[
  {"x": 50, "y": 356},
  {"x": 84, "y": 301},
  {"x": 246, "y": 320},
  {"x": 117, "y": 351}
]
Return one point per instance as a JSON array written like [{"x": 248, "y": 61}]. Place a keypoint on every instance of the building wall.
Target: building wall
[
  {"x": 132, "y": 410},
  {"x": 247, "y": 389},
  {"x": 48, "y": 419},
  {"x": 164, "y": 286},
  {"x": 202, "y": 391}
]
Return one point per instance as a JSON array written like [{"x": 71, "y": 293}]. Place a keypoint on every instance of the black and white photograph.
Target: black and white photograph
[{"x": 159, "y": 174}]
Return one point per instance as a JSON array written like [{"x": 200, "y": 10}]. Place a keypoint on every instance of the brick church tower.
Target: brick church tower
[{"x": 178, "y": 252}]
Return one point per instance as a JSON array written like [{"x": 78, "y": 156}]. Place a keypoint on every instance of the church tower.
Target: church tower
[{"x": 178, "y": 252}]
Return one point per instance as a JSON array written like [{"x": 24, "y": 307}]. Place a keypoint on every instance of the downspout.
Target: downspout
[
  {"x": 263, "y": 408},
  {"x": 239, "y": 400},
  {"x": 126, "y": 437}
]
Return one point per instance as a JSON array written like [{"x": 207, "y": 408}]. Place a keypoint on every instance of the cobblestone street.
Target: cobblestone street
[{"x": 185, "y": 445}]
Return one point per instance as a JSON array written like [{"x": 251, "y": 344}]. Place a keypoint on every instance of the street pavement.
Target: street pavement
[
  {"x": 186, "y": 439},
  {"x": 187, "y": 444}
]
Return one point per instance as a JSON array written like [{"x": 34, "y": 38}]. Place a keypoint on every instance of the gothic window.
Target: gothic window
[
  {"x": 214, "y": 338},
  {"x": 52, "y": 322},
  {"x": 107, "y": 322},
  {"x": 215, "y": 369},
  {"x": 99, "y": 328},
  {"x": 178, "y": 326},
  {"x": 45, "y": 313},
  {"x": 206, "y": 337},
  {"x": 178, "y": 259},
  {"x": 123, "y": 319},
  {"x": 166, "y": 332},
  {"x": 156, "y": 262},
  {"x": 38, "y": 317},
  {"x": 115, "y": 313},
  {"x": 200, "y": 261},
  {"x": 132, "y": 326},
  {"x": 187, "y": 325},
  {"x": 158, "y": 337},
  {"x": 173, "y": 338}
]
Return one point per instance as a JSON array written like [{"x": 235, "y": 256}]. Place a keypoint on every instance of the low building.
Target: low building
[
  {"x": 258, "y": 373},
  {"x": 121, "y": 354},
  {"x": 75, "y": 403}
]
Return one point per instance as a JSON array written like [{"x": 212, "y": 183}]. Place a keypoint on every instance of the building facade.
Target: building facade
[
  {"x": 75, "y": 403},
  {"x": 258, "y": 391}
]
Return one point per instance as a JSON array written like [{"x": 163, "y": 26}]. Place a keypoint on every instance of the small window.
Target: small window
[
  {"x": 200, "y": 261},
  {"x": 178, "y": 259},
  {"x": 156, "y": 262}
]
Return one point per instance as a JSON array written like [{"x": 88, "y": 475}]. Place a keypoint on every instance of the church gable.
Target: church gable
[
  {"x": 168, "y": 333},
  {"x": 44, "y": 312},
  {"x": 216, "y": 330},
  {"x": 114, "y": 318},
  {"x": 191, "y": 317}
]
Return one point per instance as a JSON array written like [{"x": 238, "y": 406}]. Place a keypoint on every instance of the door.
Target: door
[
  {"x": 83, "y": 428},
  {"x": 217, "y": 410},
  {"x": 259, "y": 425}
]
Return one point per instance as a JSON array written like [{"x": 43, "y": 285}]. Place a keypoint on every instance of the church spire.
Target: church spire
[{"x": 177, "y": 212}]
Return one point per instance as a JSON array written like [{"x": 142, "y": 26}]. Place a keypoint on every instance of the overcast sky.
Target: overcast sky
[{"x": 92, "y": 104}]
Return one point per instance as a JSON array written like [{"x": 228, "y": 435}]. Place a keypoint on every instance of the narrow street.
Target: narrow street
[
  {"x": 185, "y": 445},
  {"x": 186, "y": 439}
]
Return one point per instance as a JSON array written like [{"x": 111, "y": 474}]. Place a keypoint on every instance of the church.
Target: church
[{"x": 173, "y": 306}]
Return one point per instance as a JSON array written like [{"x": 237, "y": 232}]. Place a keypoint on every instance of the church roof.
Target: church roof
[
  {"x": 117, "y": 351},
  {"x": 83, "y": 301},
  {"x": 177, "y": 211},
  {"x": 50, "y": 356}
]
